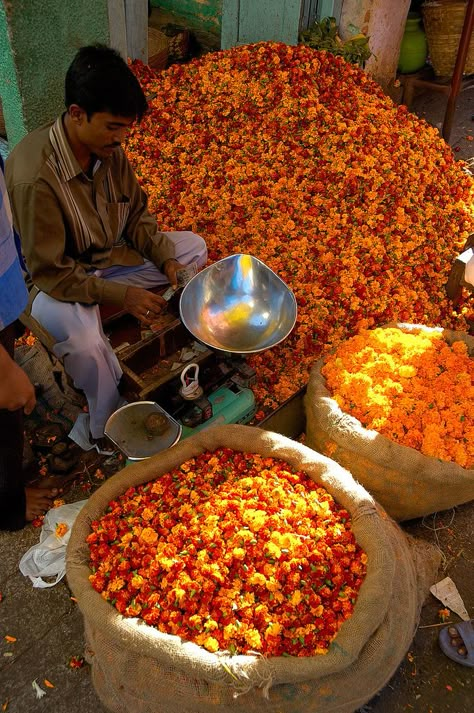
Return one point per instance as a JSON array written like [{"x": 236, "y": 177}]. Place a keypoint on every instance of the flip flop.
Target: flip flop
[{"x": 457, "y": 642}]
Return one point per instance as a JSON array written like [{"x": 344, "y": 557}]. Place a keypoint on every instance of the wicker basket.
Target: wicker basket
[
  {"x": 158, "y": 49},
  {"x": 443, "y": 21}
]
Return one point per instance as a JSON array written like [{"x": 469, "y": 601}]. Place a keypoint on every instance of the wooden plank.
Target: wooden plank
[
  {"x": 117, "y": 26},
  {"x": 136, "y": 20},
  {"x": 330, "y": 8},
  {"x": 309, "y": 12},
  {"x": 289, "y": 419}
]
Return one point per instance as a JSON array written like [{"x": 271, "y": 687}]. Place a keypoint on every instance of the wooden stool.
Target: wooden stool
[
  {"x": 456, "y": 283},
  {"x": 450, "y": 86}
]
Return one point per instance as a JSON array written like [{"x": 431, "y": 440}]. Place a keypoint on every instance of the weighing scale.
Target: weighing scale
[{"x": 192, "y": 367}]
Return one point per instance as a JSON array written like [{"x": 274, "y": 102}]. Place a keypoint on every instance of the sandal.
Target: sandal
[{"x": 457, "y": 642}]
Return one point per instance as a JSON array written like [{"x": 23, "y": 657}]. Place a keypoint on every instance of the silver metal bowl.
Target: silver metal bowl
[
  {"x": 238, "y": 305},
  {"x": 126, "y": 428}
]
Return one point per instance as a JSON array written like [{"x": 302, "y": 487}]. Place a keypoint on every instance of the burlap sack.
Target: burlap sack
[
  {"x": 405, "y": 482},
  {"x": 137, "y": 669}
]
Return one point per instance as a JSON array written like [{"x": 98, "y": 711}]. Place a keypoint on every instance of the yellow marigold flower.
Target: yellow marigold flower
[
  {"x": 272, "y": 550},
  {"x": 253, "y": 639},
  {"x": 238, "y": 553},
  {"x": 137, "y": 581},
  {"x": 195, "y": 621},
  {"x": 273, "y": 629},
  {"x": 295, "y": 598},
  {"x": 211, "y": 644},
  {"x": 177, "y": 594},
  {"x": 230, "y": 631},
  {"x": 255, "y": 519},
  {"x": 407, "y": 371},
  {"x": 272, "y": 585},
  {"x": 166, "y": 563},
  {"x": 257, "y": 578},
  {"x": 210, "y": 625}
]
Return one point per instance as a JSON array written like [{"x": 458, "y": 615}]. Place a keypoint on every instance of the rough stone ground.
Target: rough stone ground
[{"x": 48, "y": 627}]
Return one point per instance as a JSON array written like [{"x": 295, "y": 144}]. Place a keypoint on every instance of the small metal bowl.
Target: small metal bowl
[
  {"x": 238, "y": 305},
  {"x": 126, "y": 428}
]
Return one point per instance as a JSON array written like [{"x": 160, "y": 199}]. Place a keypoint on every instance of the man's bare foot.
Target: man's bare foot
[
  {"x": 38, "y": 500},
  {"x": 62, "y": 483}
]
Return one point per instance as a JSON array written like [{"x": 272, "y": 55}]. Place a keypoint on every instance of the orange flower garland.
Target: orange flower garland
[
  {"x": 233, "y": 551},
  {"x": 298, "y": 158},
  {"x": 409, "y": 386}
]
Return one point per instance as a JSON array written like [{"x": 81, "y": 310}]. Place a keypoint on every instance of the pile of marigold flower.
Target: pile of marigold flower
[
  {"x": 299, "y": 158},
  {"x": 233, "y": 551},
  {"x": 410, "y": 386}
]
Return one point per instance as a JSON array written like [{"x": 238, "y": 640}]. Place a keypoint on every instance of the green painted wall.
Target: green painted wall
[
  {"x": 38, "y": 39},
  {"x": 201, "y": 14}
]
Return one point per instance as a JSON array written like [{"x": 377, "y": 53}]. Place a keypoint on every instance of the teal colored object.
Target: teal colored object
[
  {"x": 228, "y": 406},
  {"x": 247, "y": 21},
  {"x": 414, "y": 48}
]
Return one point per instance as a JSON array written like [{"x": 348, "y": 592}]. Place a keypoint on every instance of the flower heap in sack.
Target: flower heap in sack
[
  {"x": 299, "y": 158},
  {"x": 233, "y": 551},
  {"x": 410, "y": 386}
]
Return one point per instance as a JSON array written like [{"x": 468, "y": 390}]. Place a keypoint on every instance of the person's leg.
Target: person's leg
[
  {"x": 87, "y": 354},
  {"x": 17, "y": 504},
  {"x": 189, "y": 248},
  {"x": 12, "y": 489}
]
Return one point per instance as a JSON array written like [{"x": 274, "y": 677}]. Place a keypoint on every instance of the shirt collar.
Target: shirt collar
[{"x": 67, "y": 163}]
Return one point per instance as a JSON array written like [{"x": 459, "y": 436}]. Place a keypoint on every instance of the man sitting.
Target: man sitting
[{"x": 87, "y": 236}]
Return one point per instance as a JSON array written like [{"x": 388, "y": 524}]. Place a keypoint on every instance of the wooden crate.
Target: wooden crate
[{"x": 158, "y": 49}]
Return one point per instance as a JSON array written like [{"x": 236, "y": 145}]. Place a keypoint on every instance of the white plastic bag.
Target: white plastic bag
[{"x": 48, "y": 557}]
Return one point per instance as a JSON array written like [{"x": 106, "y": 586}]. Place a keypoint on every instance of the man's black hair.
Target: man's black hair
[{"x": 98, "y": 79}]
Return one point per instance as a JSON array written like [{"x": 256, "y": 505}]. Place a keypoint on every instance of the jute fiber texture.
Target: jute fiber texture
[
  {"x": 137, "y": 669},
  {"x": 405, "y": 482}
]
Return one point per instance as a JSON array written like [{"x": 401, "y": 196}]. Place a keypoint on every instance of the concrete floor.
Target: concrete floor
[{"x": 48, "y": 627}]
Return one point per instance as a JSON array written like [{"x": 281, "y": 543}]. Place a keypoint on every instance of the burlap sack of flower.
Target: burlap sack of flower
[
  {"x": 407, "y": 483},
  {"x": 137, "y": 669}
]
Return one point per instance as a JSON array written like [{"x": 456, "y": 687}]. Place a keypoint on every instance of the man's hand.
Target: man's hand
[
  {"x": 171, "y": 267},
  {"x": 16, "y": 390},
  {"x": 144, "y": 305}
]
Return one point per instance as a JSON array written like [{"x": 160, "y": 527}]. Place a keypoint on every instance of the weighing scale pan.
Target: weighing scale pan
[
  {"x": 126, "y": 428},
  {"x": 238, "y": 305}
]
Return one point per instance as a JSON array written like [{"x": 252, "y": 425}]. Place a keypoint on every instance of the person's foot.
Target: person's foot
[
  {"x": 60, "y": 483},
  {"x": 38, "y": 500}
]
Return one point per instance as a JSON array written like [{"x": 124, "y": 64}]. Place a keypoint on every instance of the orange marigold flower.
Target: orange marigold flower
[
  {"x": 243, "y": 570},
  {"x": 61, "y": 529}
]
